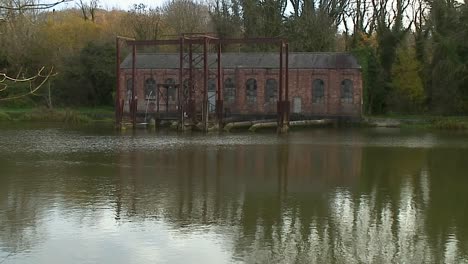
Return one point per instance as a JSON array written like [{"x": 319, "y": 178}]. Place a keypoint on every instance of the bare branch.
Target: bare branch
[
  {"x": 41, "y": 76},
  {"x": 34, "y": 6}
]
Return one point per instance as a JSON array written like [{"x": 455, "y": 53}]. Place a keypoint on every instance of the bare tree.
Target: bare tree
[
  {"x": 88, "y": 10},
  {"x": 144, "y": 22},
  {"x": 187, "y": 16},
  {"x": 34, "y": 82},
  {"x": 28, "y": 5},
  {"x": 16, "y": 20}
]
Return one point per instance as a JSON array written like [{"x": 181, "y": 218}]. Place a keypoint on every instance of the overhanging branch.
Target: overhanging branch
[
  {"x": 42, "y": 76},
  {"x": 34, "y": 6}
]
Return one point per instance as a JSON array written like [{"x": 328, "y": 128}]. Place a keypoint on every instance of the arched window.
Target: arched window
[
  {"x": 229, "y": 90},
  {"x": 171, "y": 91},
  {"x": 271, "y": 91},
  {"x": 150, "y": 88},
  {"x": 251, "y": 90},
  {"x": 347, "y": 91},
  {"x": 318, "y": 91},
  {"x": 129, "y": 88},
  {"x": 211, "y": 85}
]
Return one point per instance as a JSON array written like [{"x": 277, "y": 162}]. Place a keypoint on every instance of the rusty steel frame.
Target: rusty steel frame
[{"x": 189, "y": 106}]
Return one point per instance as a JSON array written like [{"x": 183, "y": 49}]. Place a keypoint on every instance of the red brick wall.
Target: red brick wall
[{"x": 300, "y": 86}]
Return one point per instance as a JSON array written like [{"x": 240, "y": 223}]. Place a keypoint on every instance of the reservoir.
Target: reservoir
[{"x": 326, "y": 195}]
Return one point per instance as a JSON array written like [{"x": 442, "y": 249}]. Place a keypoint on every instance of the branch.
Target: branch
[
  {"x": 32, "y": 89},
  {"x": 34, "y": 6}
]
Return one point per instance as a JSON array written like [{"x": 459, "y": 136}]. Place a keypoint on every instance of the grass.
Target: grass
[
  {"x": 63, "y": 115},
  {"x": 428, "y": 121}
]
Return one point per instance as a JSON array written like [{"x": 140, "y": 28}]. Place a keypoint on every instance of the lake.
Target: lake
[{"x": 94, "y": 195}]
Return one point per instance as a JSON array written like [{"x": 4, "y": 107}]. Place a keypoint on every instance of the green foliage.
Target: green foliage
[
  {"x": 414, "y": 66},
  {"x": 407, "y": 86},
  {"x": 373, "y": 85},
  {"x": 449, "y": 66},
  {"x": 88, "y": 78}
]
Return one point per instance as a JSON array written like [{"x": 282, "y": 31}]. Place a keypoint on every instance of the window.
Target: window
[
  {"x": 212, "y": 95},
  {"x": 251, "y": 90},
  {"x": 211, "y": 85},
  {"x": 229, "y": 90},
  {"x": 318, "y": 91},
  {"x": 271, "y": 91},
  {"x": 129, "y": 88},
  {"x": 347, "y": 91},
  {"x": 150, "y": 88},
  {"x": 171, "y": 91}
]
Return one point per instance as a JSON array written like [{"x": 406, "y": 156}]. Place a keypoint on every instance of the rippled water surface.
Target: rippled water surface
[{"x": 92, "y": 195}]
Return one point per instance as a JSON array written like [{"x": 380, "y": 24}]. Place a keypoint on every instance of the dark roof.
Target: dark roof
[{"x": 304, "y": 60}]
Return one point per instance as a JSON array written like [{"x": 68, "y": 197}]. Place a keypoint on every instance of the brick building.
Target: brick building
[{"x": 320, "y": 84}]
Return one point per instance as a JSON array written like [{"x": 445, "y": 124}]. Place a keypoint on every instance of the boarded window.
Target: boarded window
[
  {"x": 150, "y": 88},
  {"x": 251, "y": 90},
  {"x": 229, "y": 90},
  {"x": 171, "y": 91},
  {"x": 271, "y": 91},
  {"x": 347, "y": 91},
  {"x": 318, "y": 91}
]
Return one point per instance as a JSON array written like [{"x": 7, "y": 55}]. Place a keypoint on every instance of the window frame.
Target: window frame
[
  {"x": 315, "y": 98},
  {"x": 251, "y": 91},
  {"x": 347, "y": 91}
]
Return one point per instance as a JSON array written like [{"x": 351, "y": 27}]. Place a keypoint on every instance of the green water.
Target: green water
[{"x": 93, "y": 195}]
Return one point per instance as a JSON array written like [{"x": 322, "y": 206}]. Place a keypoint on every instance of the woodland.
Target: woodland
[{"x": 413, "y": 53}]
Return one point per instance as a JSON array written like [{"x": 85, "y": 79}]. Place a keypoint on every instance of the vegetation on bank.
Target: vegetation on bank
[
  {"x": 414, "y": 55},
  {"x": 418, "y": 121},
  {"x": 63, "y": 115},
  {"x": 85, "y": 115}
]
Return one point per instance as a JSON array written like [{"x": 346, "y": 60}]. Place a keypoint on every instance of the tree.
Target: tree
[
  {"x": 145, "y": 23},
  {"x": 448, "y": 68},
  {"x": 92, "y": 72},
  {"x": 186, "y": 16},
  {"x": 407, "y": 86},
  {"x": 88, "y": 10},
  {"x": 15, "y": 17},
  {"x": 23, "y": 5},
  {"x": 226, "y": 18}
]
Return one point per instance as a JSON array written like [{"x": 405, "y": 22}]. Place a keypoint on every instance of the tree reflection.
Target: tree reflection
[{"x": 274, "y": 203}]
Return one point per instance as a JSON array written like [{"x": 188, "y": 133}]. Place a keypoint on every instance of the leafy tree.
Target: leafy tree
[
  {"x": 448, "y": 65},
  {"x": 89, "y": 78},
  {"x": 408, "y": 90}
]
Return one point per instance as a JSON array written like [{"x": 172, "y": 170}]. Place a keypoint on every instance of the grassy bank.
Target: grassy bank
[
  {"x": 64, "y": 115},
  {"x": 419, "y": 121}
]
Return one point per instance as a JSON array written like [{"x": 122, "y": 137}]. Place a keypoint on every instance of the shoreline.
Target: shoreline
[
  {"x": 58, "y": 115},
  {"x": 106, "y": 115}
]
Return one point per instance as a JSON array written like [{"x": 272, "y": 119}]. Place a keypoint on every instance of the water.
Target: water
[{"x": 93, "y": 195}]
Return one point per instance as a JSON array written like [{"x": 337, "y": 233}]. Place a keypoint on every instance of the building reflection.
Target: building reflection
[
  {"x": 303, "y": 203},
  {"x": 275, "y": 203}
]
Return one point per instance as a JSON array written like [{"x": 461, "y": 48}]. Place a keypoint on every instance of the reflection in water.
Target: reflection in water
[{"x": 287, "y": 199}]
